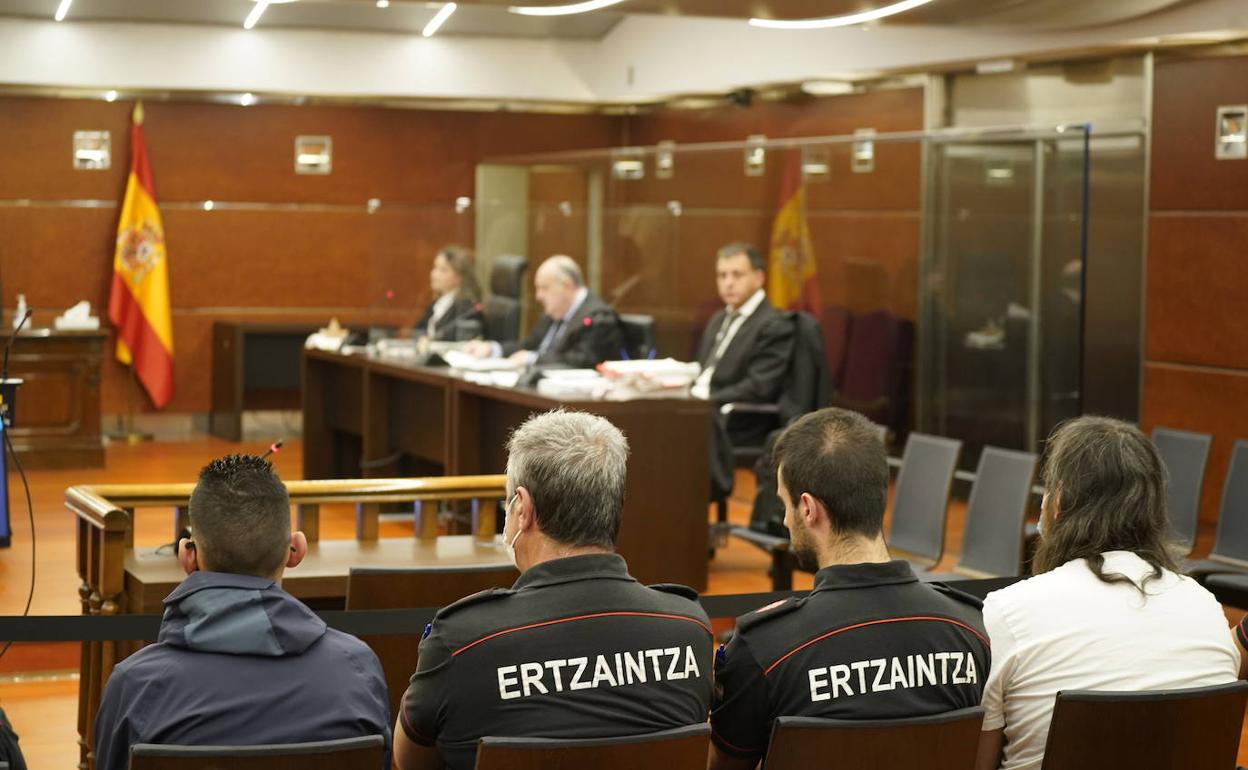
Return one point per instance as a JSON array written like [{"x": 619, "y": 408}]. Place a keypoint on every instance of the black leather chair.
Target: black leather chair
[
  {"x": 502, "y": 307},
  {"x": 639, "y": 336}
]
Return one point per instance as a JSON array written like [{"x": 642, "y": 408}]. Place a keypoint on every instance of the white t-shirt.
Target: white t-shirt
[{"x": 1068, "y": 630}]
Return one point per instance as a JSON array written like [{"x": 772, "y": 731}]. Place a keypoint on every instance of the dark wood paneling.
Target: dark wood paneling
[
  {"x": 1204, "y": 401},
  {"x": 1185, "y": 100},
  {"x": 417, "y": 162},
  {"x": 1198, "y": 290}
]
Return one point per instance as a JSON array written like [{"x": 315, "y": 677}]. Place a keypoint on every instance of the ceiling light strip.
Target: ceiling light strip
[
  {"x": 63, "y": 9},
  {"x": 255, "y": 14},
  {"x": 847, "y": 20},
  {"x": 562, "y": 10},
  {"x": 438, "y": 19}
]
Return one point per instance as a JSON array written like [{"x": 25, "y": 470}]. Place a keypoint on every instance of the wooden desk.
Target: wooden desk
[
  {"x": 254, "y": 366},
  {"x": 320, "y": 580},
  {"x": 367, "y": 417},
  {"x": 58, "y": 406}
]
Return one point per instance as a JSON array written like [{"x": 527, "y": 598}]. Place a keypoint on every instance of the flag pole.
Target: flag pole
[{"x": 125, "y": 432}]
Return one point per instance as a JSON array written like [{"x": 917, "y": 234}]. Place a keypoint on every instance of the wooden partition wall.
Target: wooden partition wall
[
  {"x": 1196, "y": 351},
  {"x": 277, "y": 246}
]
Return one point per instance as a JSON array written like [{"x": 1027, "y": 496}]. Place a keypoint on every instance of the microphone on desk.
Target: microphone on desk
[{"x": 274, "y": 448}]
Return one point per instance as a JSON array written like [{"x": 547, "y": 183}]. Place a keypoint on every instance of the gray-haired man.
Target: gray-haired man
[{"x": 576, "y": 648}]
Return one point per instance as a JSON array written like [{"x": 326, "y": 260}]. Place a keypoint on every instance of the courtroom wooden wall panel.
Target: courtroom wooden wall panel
[
  {"x": 1197, "y": 290},
  {"x": 1202, "y": 400},
  {"x": 268, "y": 264},
  {"x": 1185, "y": 173}
]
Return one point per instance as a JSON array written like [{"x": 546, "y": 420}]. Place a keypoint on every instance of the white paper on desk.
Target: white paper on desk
[
  {"x": 470, "y": 363},
  {"x": 572, "y": 387},
  {"x": 497, "y": 379}
]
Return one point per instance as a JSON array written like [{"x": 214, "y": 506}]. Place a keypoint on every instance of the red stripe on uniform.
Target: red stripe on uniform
[
  {"x": 864, "y": 625},
  {"x": 152, "y": 362},
  {"x": 698, "y": 623}
]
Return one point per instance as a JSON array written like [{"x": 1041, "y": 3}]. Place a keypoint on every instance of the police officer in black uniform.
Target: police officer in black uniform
[
  {"x": 870, "y": 641},
  {"x": 576, "y": 648}
]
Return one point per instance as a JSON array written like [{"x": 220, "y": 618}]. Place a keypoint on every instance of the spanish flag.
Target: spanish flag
[
  {"x": 138, "y": 304},
  {"x": 791, "y": 282}
]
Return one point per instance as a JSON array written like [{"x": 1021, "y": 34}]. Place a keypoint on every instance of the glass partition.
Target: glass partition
[{"x": 946, "y": 264}]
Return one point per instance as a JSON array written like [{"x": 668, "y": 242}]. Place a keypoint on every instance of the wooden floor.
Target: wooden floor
[{"x": 42, "y": 703}]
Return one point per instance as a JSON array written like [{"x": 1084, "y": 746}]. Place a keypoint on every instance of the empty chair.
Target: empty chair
[
  {"x": 639, "y": 336},
  {"x": 368, "y": 751},
  {"x": 1194, "y": 729},
  {"x": 502, "y": 307},
  {"x": 935, "y": 742},
  {"x": 674, "y": 749},
  {"x": 371, "y": 588},
  {"x": 921, "y": 501},
  {"x": 992, "y": 543},
  {"x": 1185, "y": 455},
  {"x": 1230, "y": 544}
]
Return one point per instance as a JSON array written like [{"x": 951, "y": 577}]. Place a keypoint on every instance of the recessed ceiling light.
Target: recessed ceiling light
[
  {"x": 438, "y": 19},
  {"x": 847, "y": 20},
  {"x": 562, "y": 10},
  {"x": 63, "y": 9},
  {"x": 383, "y": 3}
]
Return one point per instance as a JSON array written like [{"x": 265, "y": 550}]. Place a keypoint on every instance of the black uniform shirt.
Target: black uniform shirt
[
  {"x": 869, "y": 642},
  {"x": 575, "y": 649}
]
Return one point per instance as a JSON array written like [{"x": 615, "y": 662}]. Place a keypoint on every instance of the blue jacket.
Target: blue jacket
[{"x": 240, "y": 662}]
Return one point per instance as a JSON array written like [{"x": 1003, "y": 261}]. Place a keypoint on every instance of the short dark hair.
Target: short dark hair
[
  {"x": 836, "y": 456},
  {"x": 464, "y": 263},
  {"x": 574, "y": 466},
  {"x": 1109, "y": 485},
  {"x": 240, "y": 516},
  {"x": 740, "y": 247}
]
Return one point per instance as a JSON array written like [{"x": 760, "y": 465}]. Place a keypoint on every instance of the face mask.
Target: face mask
[{"x": 510, "y": 548}]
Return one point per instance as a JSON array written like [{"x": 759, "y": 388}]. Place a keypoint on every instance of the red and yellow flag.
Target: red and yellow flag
[
  {"x": 138, "y": 304},
  {"x": 791, "y": 281}
]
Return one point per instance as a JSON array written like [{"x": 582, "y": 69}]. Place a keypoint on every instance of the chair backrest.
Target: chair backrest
[
  {"x": 677, "y": 748},
  {"x": 921, "y": 501},
  {"x": 367, "y": 751},
  {"x": 878, "y": 364},
  {"x": 1185, "y": 456},
  {"x": 507, "y": 275},
  {"x": 992, "y": 544},
  {"x": 371, "y": 588},
  {"x": 945, "y": 741},
  {"x": 1231, "y": 539},
  {"x": 1195, "y": 729},
  {"x": 806, "y": 387},
  {"x": 837, "y": 321},
  {"x": 638, "y": 335}
]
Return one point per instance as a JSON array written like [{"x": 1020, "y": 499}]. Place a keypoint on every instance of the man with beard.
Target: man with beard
[{"x": 869, "y": 641}]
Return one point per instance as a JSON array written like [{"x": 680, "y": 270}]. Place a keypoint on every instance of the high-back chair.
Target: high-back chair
[
  {"x": 681, "y": 747},
  {"x": 1185, "y": 456},
  {"x": 364, "y": 753},
  {"x": 1192, "y": 729},
  {"x": 371, "y": 588},
  {"x": 639, "y": 335},
  {"x": 1230, "y": 543},
  {"x": 945, "y": 741},
  {"x": 992, "y": 543},
  {"x": 921, "y": 501},
  {"x": 502, "y": 307}
]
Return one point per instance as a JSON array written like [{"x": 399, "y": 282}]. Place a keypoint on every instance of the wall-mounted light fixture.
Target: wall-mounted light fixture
[
  {"x": 998, "y": 172},
  {"x": 462, "y": 204},
  {"x": 92, "y": 150},
  {"x": 1232, "y": 133},
  {"x": 628, "y": 164},
  {"x": 755, "y": 155},
  {"x": 816, "y": 166},
  {"x": 314, "y": 154},
  {"x": 862, "y": 158},
  {"x": 665, "y": 160}
]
